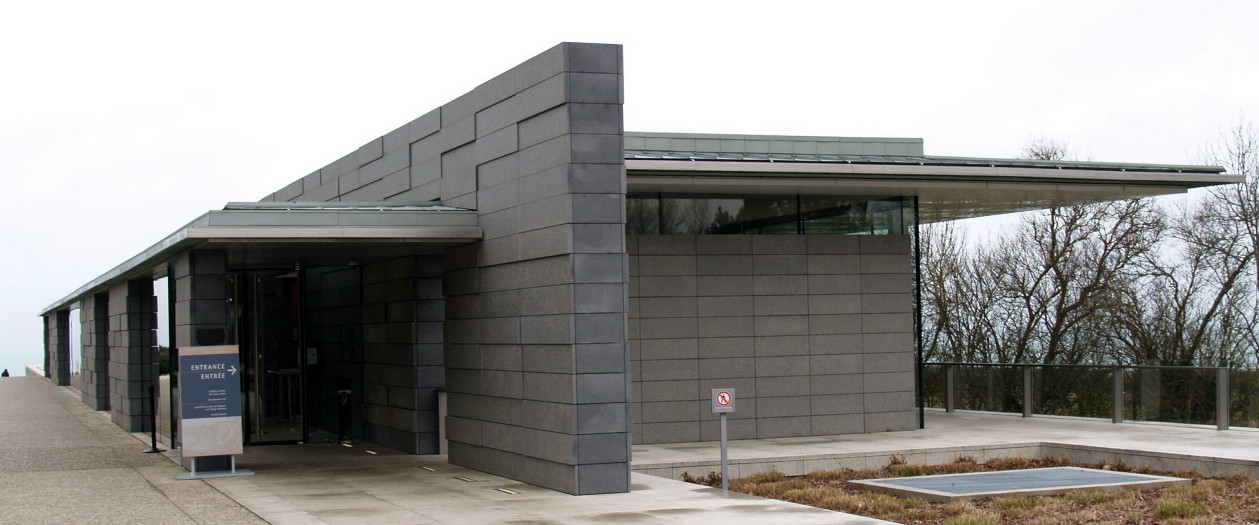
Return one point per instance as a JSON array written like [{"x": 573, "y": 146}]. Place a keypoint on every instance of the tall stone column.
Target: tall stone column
[
  {"x": 132, "y": 352},
  {"x": 57, "y": 353},
  {"x": 200, "y": 301},
  {"x": 94, "y": 317}
]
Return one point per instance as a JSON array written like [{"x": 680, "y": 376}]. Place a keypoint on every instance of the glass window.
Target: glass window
[
  {"x": 719, "y": 214},
  {"x": 642, "y": 213},
  {"x": 834, "y": 214},
  {"x": 693, "y": 214}
]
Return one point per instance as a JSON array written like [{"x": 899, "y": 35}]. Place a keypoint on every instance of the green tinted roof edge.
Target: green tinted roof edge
[{"x": 919, "y": 160}]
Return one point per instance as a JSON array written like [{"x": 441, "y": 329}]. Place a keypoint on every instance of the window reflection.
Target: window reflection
[{"x": 693, "y": 214}]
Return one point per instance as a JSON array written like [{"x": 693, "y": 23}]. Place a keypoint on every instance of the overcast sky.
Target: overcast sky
[{"x": 121, "y": 121}]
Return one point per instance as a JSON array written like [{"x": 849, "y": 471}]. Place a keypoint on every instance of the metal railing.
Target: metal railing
[{"x": 1175, "y": 394}]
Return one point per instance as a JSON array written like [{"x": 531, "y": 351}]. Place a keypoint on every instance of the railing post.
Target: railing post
[
  {"x": 950, "y": 388},
  {"x": 1027, "y": 390},
  {"x": 1117, "y": 381},
  {"x": 1221, "y": 398}
]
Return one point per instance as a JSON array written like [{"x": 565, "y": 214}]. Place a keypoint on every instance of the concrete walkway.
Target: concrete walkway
[{"x": 61, "y": 462}]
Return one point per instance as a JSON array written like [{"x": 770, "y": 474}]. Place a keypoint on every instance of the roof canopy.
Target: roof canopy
[
  {"x": 948, "y": 188},
  {"x": 253, "y": 232}
]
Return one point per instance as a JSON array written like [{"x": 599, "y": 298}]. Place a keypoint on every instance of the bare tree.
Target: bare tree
[
  {"x": 1062, "y": 270},
  {"x": 956, "y": 294},
  {"x": 1115, "y": 282}
]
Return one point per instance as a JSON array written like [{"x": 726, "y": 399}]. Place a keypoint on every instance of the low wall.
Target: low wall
[{"x": 1083, "y": 454}]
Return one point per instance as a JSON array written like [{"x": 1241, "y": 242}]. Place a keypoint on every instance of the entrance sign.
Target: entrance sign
[
  {"x": 209, "y": 393},
  {"x": 723, "y": 403}
]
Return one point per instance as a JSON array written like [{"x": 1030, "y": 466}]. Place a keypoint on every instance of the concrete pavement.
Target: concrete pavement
[{"x": 61, "y": 462}]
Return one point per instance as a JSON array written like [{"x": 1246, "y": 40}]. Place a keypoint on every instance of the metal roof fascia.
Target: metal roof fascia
[
  {"x": 644, "y": 168},
  {"x": 171, "y": 244},
  {"x": 201, "y": 230}
]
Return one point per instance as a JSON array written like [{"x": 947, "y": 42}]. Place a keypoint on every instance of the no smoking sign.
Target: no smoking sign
[{"x": 723, "y": 400}]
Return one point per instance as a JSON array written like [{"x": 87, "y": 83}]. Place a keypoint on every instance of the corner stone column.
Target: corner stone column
[
  {"x": 94, "y": 317},
  {"x": 132, "y": 352}
]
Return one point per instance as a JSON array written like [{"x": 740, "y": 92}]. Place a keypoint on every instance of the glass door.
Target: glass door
[{"x": 271, "y": 334}]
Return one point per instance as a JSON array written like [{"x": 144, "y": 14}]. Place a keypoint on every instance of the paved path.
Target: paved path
[
  {"x": 61, "y": 462},
  {"x": 330, "y": 484}
]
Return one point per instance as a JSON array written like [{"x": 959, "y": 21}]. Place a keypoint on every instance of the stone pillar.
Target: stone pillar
[
  {"x": 94, "y": 317},
  {"x": 200, "y": 301},
  {"x": 132, "y": 352},
  {"x": 48, "y": 346},
  {"x": 57, "y": 354}
]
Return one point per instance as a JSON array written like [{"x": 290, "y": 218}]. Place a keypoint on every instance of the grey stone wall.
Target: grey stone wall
[
  {"x": 94, "y": 317},
  {"x": 534, "y": 336},
  {"x": 132, "y": 352},
  {"x": 57, "y": 347},
  {"x": 814, "y": 331},
  {"x": 402, "y": 319}
]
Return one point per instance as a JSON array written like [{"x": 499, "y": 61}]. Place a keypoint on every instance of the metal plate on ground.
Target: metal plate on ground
[{"x": 1041, "y": 481}]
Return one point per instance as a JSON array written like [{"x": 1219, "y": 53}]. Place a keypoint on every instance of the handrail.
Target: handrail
[
  {"x": 1028, "y": 408},
  {"x": 1070, "y": 365}
]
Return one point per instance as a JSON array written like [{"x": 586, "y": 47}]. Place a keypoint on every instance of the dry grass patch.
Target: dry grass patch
[{"x": 1229, "y": 500}]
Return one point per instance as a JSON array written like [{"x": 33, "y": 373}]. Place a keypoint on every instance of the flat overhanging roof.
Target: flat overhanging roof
[
  {"x": 948, "y": 188},
  {"x": 297, "y": 224}
]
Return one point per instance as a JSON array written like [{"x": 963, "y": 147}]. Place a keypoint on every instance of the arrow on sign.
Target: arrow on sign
[{"x": 232, "y": 370}]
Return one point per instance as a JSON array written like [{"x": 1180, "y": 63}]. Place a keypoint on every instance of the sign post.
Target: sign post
[
  {"x": 723, "y": 403},
  {"x": 209, "y": 416}
]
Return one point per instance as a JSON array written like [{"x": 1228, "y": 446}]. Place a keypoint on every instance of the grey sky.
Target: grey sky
[{"x": 121, "y": 121}]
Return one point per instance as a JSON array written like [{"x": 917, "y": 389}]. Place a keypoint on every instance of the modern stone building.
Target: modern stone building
[{"x": 571, "y": 288}]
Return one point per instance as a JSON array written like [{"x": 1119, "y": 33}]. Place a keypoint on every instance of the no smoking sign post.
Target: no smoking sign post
[{"x": 723, "y": 403}]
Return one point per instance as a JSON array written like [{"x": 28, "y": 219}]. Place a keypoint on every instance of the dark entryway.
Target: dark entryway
[{"x": 297, "y": 329}]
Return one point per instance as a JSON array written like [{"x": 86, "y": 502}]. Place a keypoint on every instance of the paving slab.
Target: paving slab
[
  {"x": 980, "y": 435},
  {"x": 332, "y": 484},
  {"x": 62, "y": 462}
]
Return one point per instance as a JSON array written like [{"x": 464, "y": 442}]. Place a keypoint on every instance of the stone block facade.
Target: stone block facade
[
  {"x": 533, "y": 337},
  {"x": 814, "y": 331},
  {"x": 402, "y": 314}
]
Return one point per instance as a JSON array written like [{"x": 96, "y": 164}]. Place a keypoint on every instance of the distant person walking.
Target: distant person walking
[{"x": 5, "y": 373}]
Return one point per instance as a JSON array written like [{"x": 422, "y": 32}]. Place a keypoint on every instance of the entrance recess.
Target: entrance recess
[{"x": 269, "y": 330}]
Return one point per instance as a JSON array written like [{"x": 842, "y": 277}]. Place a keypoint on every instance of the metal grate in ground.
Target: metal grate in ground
[{"x": 1042, "y": 481}]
